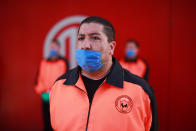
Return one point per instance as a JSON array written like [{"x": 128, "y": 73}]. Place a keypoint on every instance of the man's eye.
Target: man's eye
[
  {"x": 80, "y": 38},
  {"x": 95, "y": 38}
]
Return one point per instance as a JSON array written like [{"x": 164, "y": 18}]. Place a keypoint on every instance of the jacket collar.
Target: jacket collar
[{"x": 114, "y": 77}]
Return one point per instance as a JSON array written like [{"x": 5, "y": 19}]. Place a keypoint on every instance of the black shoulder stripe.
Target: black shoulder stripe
[
  {"x": 144, "y": 60},
  {"x": 66, "y": 75},
  {"x": 129, "y": 77}
]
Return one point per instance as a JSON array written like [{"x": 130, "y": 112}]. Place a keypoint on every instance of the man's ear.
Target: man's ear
[{"x": 112, "y": 47}]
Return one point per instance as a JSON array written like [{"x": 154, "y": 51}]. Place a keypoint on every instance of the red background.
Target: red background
[{"x": 164, "y": 28}]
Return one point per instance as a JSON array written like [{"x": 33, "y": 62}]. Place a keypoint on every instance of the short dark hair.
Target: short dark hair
[
  {"x": 108, "y": 27},
  {"x": 133, "y": 41},
  {"x": 56, "y": 42}
]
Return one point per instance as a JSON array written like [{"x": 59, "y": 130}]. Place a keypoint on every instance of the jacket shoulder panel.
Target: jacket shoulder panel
[{"x": 129, "y": 77}]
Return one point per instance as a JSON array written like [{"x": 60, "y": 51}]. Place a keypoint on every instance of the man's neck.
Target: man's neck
[
  {"x": 53, "y": 58},
  {"x": 102, "y": 72},
  {"x": 134, "y": 59}
]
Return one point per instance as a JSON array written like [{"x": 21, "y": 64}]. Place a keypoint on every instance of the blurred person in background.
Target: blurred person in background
[
  {"x": 49, "y": 70},
  {"x": 132, "y": 62}
]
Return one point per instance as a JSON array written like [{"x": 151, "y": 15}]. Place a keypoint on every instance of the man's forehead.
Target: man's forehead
[
  {"x": 131, "y": 44},
  {"x": 91, "y": 28},
  {"x": 53, "y": 44}
]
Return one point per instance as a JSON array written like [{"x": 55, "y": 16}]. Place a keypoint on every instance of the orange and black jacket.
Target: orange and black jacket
[
  {"x": 137, "y": 66},
  {"x": 123, "y": 102},
  {"x": 48, "y": 72}
]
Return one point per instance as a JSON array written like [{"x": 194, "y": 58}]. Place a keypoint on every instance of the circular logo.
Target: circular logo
[
  {"x": 124, "y": 104},
  {"x": 65, "y": 31}
]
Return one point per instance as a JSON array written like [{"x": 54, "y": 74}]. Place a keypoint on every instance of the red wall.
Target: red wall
[
  {"x": 182, "y": 90},
  {"x": 164, "y": 28}
]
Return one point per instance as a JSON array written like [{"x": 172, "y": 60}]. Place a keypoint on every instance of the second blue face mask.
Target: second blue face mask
[
  {"x": 53, "y": 52},
  {"x": 89, "y": 61},
  {"x": 130, "y": 53}
]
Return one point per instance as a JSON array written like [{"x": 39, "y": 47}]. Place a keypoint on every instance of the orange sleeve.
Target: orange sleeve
[{"x": 39, "y": 87}]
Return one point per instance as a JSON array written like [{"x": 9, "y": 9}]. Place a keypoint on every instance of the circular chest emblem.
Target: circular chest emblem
[{"x": 124, "y": 104}]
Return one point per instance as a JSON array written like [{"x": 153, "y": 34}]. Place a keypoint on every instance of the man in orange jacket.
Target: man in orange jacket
[
  {"x": 99, "y": 95},
  {"x": 132, "y": 62},
  {"x": 49, "y": 70}
]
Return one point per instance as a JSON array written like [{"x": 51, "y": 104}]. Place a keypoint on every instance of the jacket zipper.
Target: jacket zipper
[
  {"x": 89, "y": 110},
  {"x": 89, "y": 107},
  {"x": 88, "y": 116}
]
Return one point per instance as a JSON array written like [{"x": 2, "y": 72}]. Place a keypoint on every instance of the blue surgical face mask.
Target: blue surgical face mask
[
  {"x": 89, "y": 61},
  {"x": 53, "y": 52},
  {"x": 130, "y": 53}
]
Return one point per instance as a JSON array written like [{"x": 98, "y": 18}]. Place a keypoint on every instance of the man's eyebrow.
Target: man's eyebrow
[
  {"x": 81, "y": 34},
  {"x": 90, "y": 34},
  {"x": 94, "y": 34}
]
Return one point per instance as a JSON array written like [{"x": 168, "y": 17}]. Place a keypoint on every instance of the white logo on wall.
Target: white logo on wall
[{"x": 65, "y": 31}]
